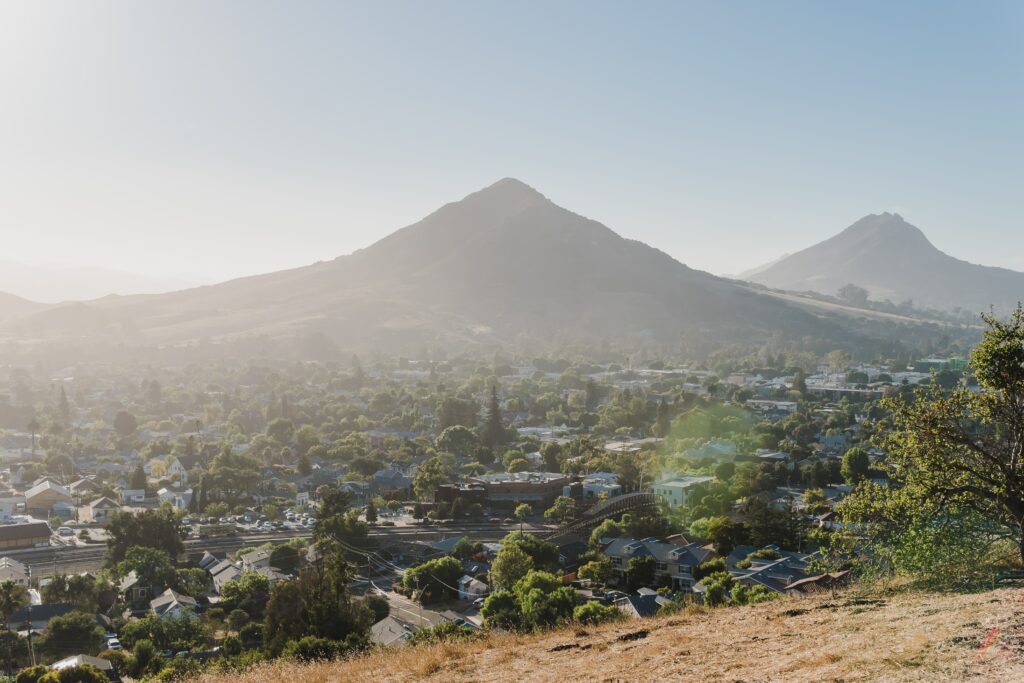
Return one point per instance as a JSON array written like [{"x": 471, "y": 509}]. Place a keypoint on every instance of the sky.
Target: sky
[{"x": 204, "y": 140}]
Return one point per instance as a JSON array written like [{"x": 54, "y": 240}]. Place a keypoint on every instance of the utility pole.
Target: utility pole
[{"x": 31, "y": 651}]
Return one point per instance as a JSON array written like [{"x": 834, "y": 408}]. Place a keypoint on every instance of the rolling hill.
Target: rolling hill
[
  {"x": 893, "y": 260},
  {"x": 504, "y": 264},
  {"x": 876, "y": 636}
]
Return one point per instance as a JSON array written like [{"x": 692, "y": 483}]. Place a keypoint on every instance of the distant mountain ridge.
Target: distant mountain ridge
[
  {"x": 56, "y": 283},
  {"x": 893, "y": 260},
  {"x": 504, "y": 264}
]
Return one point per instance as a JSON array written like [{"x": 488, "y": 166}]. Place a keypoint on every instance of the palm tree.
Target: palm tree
[{"x": 12, "y": 598}]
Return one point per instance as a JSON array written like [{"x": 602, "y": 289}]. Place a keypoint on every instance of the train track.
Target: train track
[{"x": 73, "y": 560}]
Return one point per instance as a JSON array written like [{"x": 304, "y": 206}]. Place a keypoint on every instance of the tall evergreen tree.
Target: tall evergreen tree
[
  {"x": 65, "y": 407},
  {"x": 494, "y": 431}
]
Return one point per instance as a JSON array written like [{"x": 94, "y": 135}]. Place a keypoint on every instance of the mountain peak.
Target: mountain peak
[
  {"x": 514, "y": 189},
  {"x": 887, "y": 226}
]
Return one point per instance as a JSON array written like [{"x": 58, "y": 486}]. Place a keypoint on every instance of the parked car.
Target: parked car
[{"x": 65, "y": 531}]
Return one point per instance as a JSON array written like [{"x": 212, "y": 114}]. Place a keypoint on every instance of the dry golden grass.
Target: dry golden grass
[{"x": 900, "y": 636}]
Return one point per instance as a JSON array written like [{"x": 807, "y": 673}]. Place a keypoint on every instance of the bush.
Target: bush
[
  {"x": 32, "y": 674},
  {"x": 178, "y": 669},
  {"x": 83, "y": 673},
  {"x": 443, "y": 632},
  {"x": 593, "y": 612},
  {"x": 313, "y": 649}
]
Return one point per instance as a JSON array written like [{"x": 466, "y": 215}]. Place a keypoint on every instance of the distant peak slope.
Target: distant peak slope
[
  {"x": 501, "y": 265},
  {"x": 894, "y": 260}
]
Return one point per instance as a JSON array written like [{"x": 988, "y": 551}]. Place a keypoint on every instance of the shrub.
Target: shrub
[
  {"x": 593, "y": 612},
  {"x": 312, "y": 649}
]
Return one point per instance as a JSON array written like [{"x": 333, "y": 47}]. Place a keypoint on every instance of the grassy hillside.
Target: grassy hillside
[{"x": 855, "y": 636}]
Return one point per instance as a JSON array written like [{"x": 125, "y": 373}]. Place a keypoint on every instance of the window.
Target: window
[{"x": 661, "y": 566}]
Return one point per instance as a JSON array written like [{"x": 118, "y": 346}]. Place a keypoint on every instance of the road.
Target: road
[{"x": 74, "y": 560}]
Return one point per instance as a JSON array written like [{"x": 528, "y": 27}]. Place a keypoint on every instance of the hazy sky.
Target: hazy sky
[{"x": 204, "y": 140}]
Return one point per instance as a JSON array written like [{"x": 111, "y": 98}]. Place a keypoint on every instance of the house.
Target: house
[
  {"x": 676, "y": 491},
  {"x": 84, "y": 489},
  {"x": 223, "y": 572},
  {"x": 103, "y": 665},
  {"x": 101, "y": 509},
  {"x": 471, "y": 589},
  {"x": 40, "y": 499},
  {"x": 391, "y": 632},
  {"x": 133, "y": 496},
  {"x": 179, "y": 499},
  {"x": 640, "y": 606},
  {"x": 175, "y": 471},
  {"x": 390, "y": 480},
  {"x": 674, "y": 565},
  {"x": 9, "y": 504},
  {"x": 24, "y": 535},
  {"x": 133, "y": 591},
  {"x": 570, "y": 548},
  {"x": 172, "y": 604},
  {"x": 12, "y": 570},
  {"x": 37, "y": 617},
  {"x": 257, "y": 559},
  {"x": 64, "y": 510}
]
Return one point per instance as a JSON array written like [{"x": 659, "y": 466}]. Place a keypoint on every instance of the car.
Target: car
[
  {"x": 478, "y": 602},
  {"x": 495, "y": 520},
  {"x": 509, "y": 520},
  {"x": 65, "y": 531},
  {"x": 387, "y": 522},
  {"x": 113, "y": 644}
]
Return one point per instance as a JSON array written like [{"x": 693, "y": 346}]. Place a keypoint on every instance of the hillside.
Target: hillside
[
  {"x": 893, "y": 260},
  {"x": 898, "y": 637},
  {"x": 503, "y": 264},
  {"x": 13, "y": 306}
]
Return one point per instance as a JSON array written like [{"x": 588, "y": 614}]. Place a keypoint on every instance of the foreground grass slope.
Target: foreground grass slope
[{"x": 869, "y": 636}]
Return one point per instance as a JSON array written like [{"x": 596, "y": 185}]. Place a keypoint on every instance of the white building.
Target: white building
[{"x": 676, "y": 491}]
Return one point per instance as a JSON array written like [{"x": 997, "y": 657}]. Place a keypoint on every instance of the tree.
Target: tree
[
  {"x": 494, "y": 433},
  {"x": 597, "y": 571},
  {"x": 237, "y": 618},
  {"x": 138, "y": 479},
  {"x": 33, "y": 428},
  {"x": 543, "y": 553},
  {"x": 70, "y": 634},
  {"x": 501, "y": 610},
  {"x": 640, "y": 572},
  {"x": 725, "y": 470},
  {"x": 304, "y": 466},
  {"x": 854, "y": 295},
  {"x": 281, "y": 430},
  {"x": 726, "y": 534},
  {"x": 431, "y": 474},
  {"x": 815, "y": 501},
  {"x": 152, "y": 566},
  {"x": 125, "y": 424},
  {"x": 856, "y": 464},
  {"x": 523, "y": 510},
  {"x": 543, "y": 600},
  {"x": 249, "y": 592},
  {"x": 285, "y": 559},
  {"x": 152, "y": 529},
  {"x": 193, "y": 581},
  {"x": 957, "y": 455},
  {"x": 511, "y": 564},
  {"x": 458, "y": 440},
  {"x": 371, "y": 511},
  {"x": 434, "y": 580},
  {"x": 563, "y": 510},
  {"x": 12, "y": 598}
]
